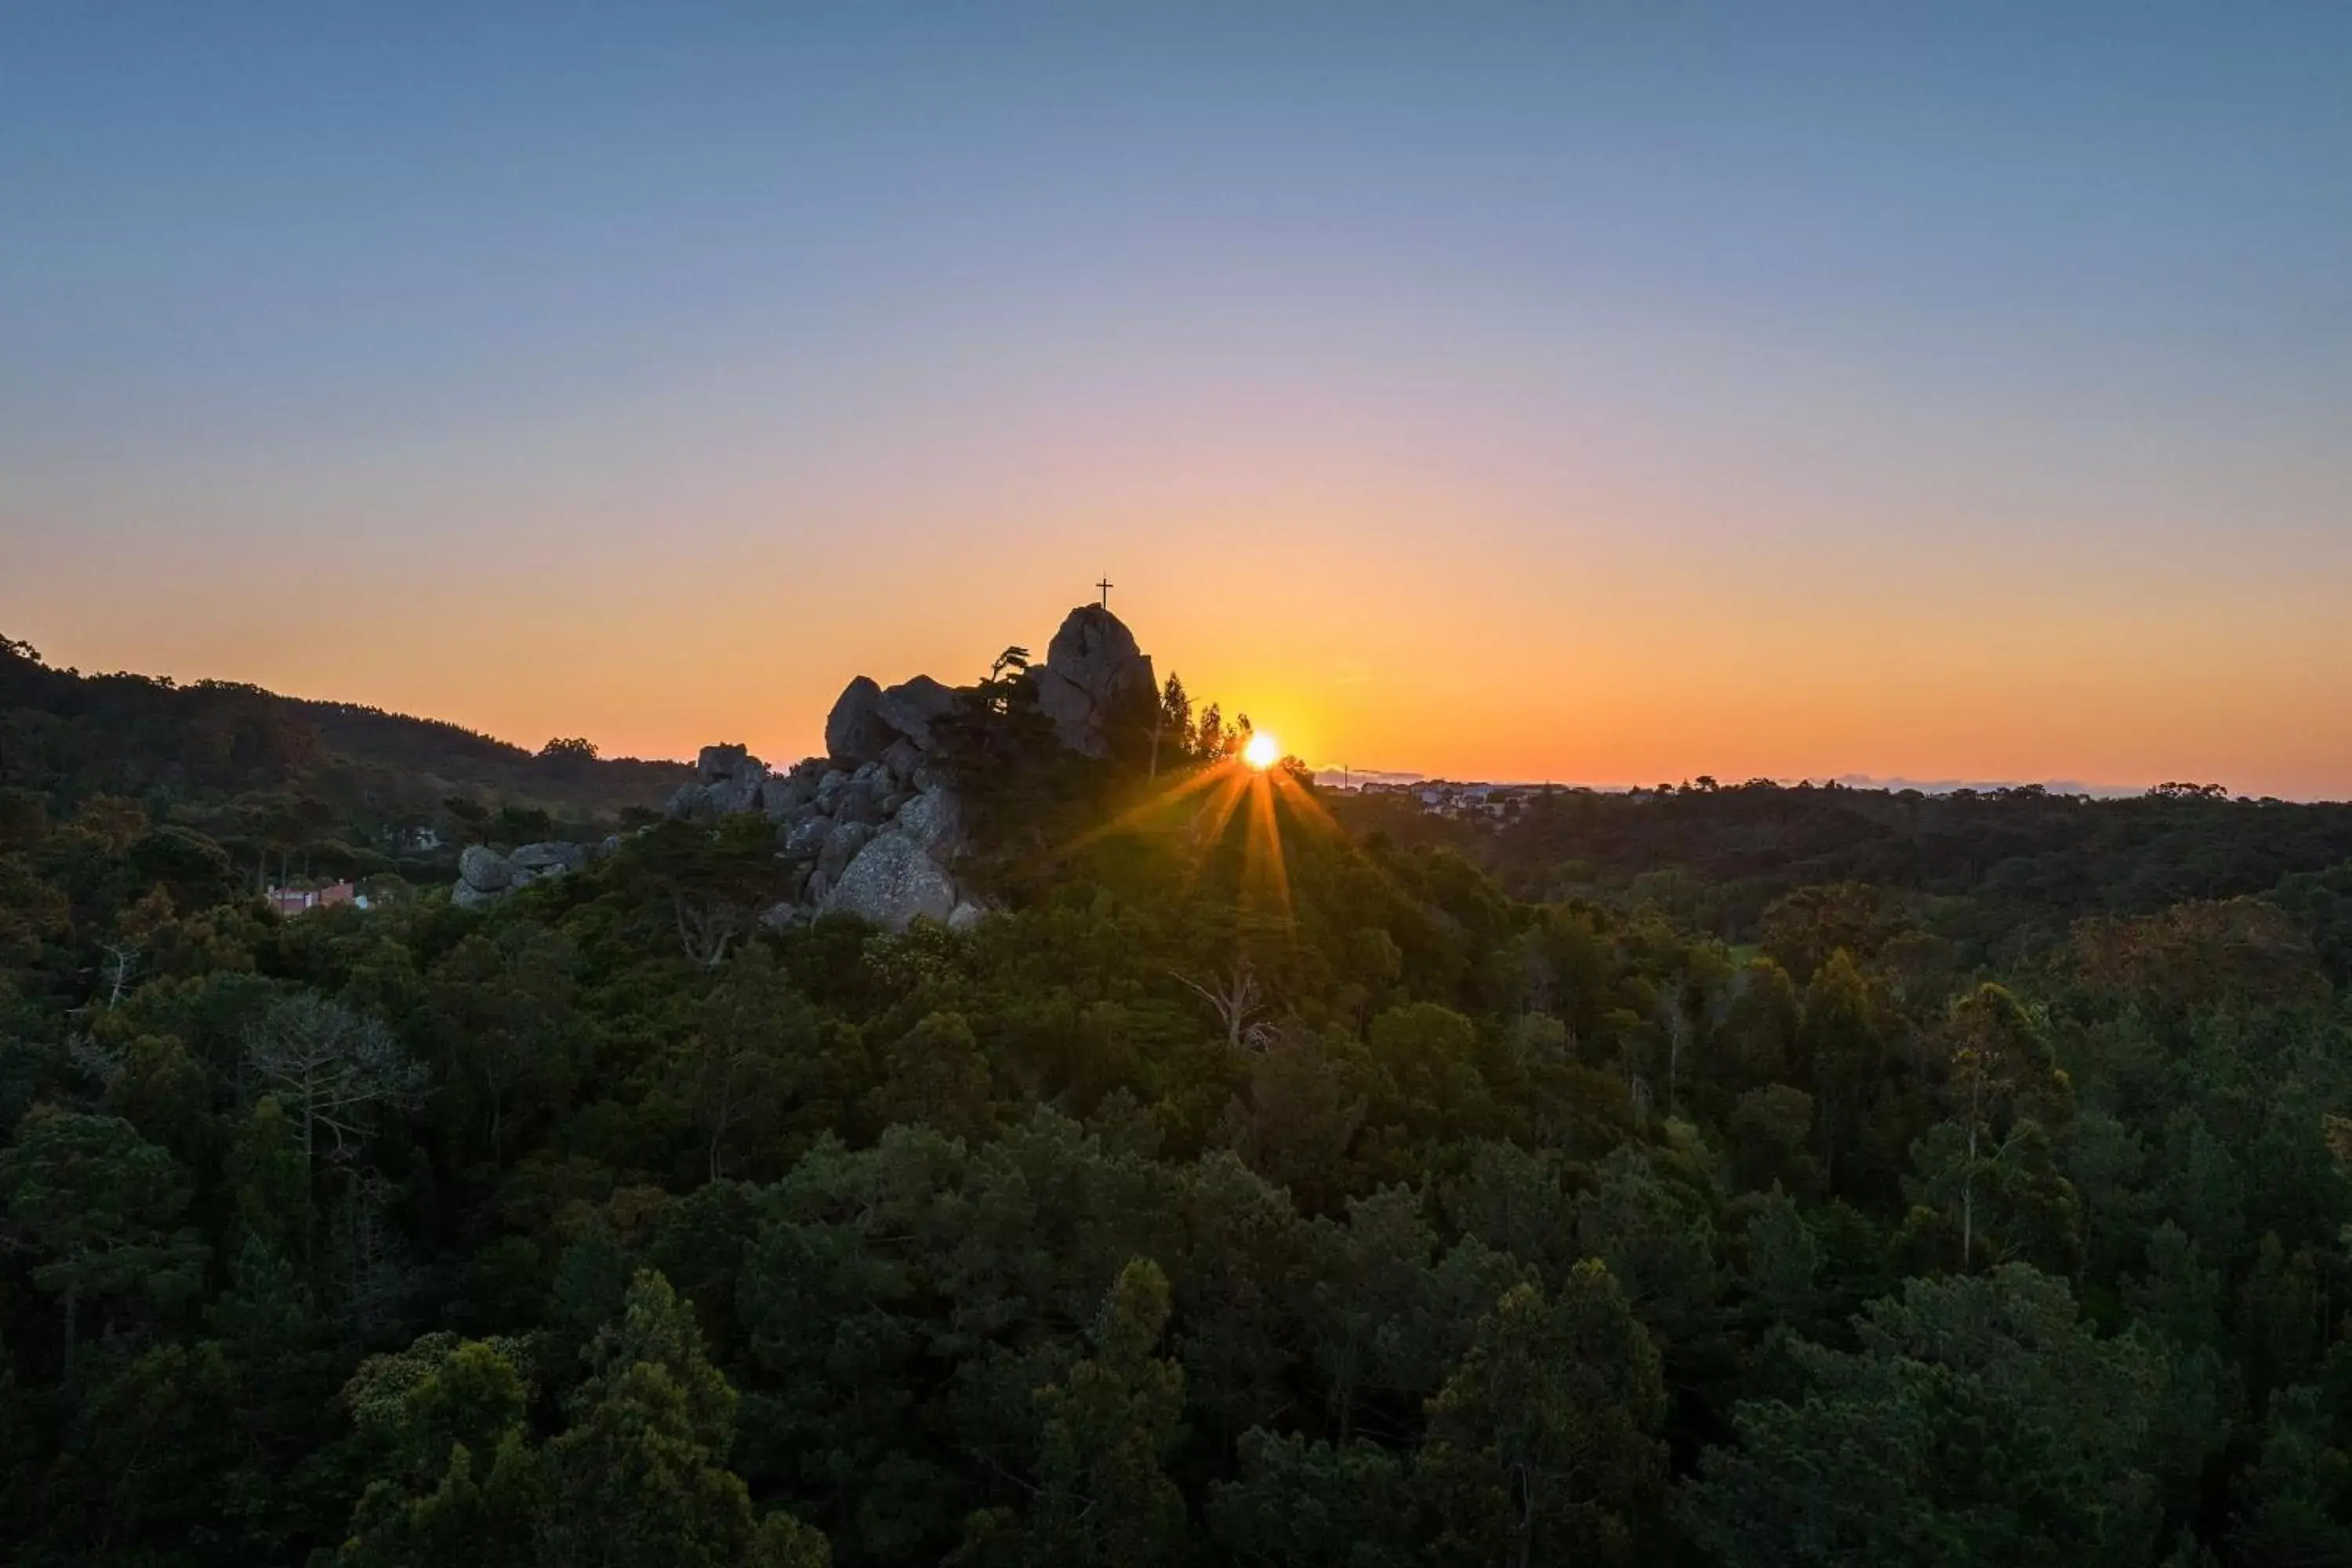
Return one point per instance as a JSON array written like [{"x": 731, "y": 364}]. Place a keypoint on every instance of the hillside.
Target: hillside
[
  {"x": 2004, "y": 873},
  {"x": 1200, "y": 1177},
  {"x": 336, "y": 786}
]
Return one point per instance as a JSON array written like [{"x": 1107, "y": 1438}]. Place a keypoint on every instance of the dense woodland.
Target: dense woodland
[
  {"x": 293, "y": 788},
  {"x": 1739, "y": 1176}
]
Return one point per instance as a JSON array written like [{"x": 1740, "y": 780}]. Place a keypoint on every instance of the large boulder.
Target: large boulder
[
  {"x": 548, "y": 858},
  {"x": 911, "y": 706},
  {"x": 805, "y": 839},
  {"x": 891, "y": 883},
  {"x": 1093, "y": 678},
  {"x": 731, "y": 779},
  {"x": 934, "y": 820},
  {"x": 855, "y": 731},
  {"x": 715, "y": 763},
  {"x": 742, "y": 794},
  {"x": 857, "y": 803},
  {"x": 841, "y": 846},
  {"x": 484, "y": 870},
  {"x": 786, "y": 793}
]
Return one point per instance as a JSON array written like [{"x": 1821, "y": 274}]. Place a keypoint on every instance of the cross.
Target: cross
[{"x": 1105, "y": 587}]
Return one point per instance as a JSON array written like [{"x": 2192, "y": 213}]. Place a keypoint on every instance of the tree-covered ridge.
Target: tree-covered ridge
[
  {"x": 335, "y": 787},
  {"x": 2004, "y": 872},
  {"x": 1246, "y": 1191}
]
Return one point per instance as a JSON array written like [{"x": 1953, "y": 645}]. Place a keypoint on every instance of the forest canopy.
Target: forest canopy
[{"x": 1751, "y": 1176}]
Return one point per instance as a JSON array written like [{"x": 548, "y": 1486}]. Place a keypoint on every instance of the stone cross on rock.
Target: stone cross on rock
[{"x": 1105, "y": 586}]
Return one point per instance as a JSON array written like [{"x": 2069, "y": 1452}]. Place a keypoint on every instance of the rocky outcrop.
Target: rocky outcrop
[
  {"x": 715, "y": 763},
  {"x": 728, "y": 779},
  {"x": 934, "y": 820},
  {"x": 892, "y": 882},
  {"x": 912, "y": 707},
  {"x": 803, "y": 838},
  {"x": 855, "y": 732},
  {"x": 842, "y": 843},
  {"x": 548, "y": 860},
  {"x": 874, "y": 829},
  {"x": 484, "y": 876},
  {"x": 1094, "y": 678},
  {"x": 786, "y": 793},
  {"x": 484, "y": 870},
  {"x": 732, "y": 778},
  {"x": 851, "y": 841}
]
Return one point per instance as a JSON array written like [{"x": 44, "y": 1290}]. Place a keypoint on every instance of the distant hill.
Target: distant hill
[
  {"x": 346, "y": 787},
  {"x": 2003, "y": 871}
]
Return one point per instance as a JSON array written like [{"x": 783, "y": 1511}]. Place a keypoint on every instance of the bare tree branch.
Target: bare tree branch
[
  {"x": 332, "y": 1067},
  {"x": 1240, "y": 1004}
]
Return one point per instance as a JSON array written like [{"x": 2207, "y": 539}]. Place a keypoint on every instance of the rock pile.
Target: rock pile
[
  {"x": 872, "y": 828},
  {"x": 868, "y": 829},
  {"x": 877, "y": 840},
  {"x": 728, "y": 779},
  {"x": 484, "y": 876}
]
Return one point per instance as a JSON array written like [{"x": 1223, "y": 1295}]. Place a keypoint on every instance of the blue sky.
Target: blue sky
[{"x": 1663, "y": 338}]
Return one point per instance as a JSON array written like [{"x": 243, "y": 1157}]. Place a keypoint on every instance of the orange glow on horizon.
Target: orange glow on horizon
[
  {"x": 1989, "y": 484},
  {"x": 1633, "y": 666}
]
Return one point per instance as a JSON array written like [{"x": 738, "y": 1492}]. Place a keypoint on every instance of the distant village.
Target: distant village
[
  {"x": 301, "y": 894},
  {"x": 1443, "y": 798}
]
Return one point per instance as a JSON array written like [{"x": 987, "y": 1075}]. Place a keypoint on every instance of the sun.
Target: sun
[{"x": 1261, "y": 751}]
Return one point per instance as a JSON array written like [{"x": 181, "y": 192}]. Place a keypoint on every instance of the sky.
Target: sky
[{"x": 1609, "y": 393}]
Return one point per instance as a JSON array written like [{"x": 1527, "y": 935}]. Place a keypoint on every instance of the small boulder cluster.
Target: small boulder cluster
[
  {"x": 484, "y": 876},
  {"x": 870, "y": 828}
]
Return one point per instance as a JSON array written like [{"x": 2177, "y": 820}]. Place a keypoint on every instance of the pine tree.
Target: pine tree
[
  {"x": 97, "y": 1202},
  {"x": 1103, "y": 1497},
  {"x": 1173, "y": 726},
  {"x": 1542, "y": 1446}
]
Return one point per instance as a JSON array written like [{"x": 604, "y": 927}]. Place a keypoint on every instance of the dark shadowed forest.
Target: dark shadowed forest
[{"x": 1747, "y": 1176}]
